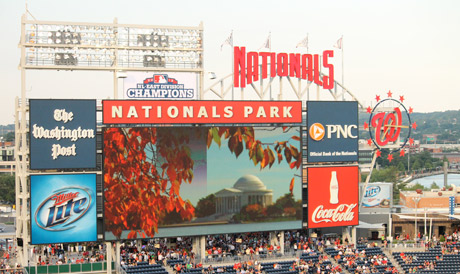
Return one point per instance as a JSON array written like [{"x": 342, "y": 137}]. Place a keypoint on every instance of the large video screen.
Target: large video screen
[{"x": 185, "y": 181}]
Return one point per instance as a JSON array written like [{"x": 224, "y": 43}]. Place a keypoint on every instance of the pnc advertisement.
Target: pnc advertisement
[
  {"x": 161, "y": 85},
  {"x": 63, "y": 208},
  {"x": 332, "y": 131},
  {"x": 62, "y": 134},
  {"x": 333, "y": 196}
]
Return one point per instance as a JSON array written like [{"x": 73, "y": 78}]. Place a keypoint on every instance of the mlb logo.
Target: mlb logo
[{"x": 160, "y": 79}]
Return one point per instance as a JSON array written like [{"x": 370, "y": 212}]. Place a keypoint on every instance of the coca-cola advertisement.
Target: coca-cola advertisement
[{"x": 333, "y": 196}]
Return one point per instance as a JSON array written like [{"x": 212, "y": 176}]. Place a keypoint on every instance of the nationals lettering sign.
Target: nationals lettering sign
[
  {"x": 295, "y": 65},
  {"x": 63, "y": 208},
  {"x": 333, "y": 196},
  {"x": 201, "y": 112}
]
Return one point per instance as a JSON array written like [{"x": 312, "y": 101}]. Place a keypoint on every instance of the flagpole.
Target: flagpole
[
  {"x": 343, "y": 80},
  {"x": 270, "y": 50},
  {"x": 233, "y": 67}
]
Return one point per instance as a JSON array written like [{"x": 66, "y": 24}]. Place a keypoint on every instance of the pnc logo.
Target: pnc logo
[{"x": 317, "y": 131}]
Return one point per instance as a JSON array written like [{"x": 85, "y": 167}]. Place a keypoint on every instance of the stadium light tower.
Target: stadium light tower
[{"x": 51, "y": 45}]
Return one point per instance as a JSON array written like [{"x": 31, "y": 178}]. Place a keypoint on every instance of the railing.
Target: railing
[{"x": 68, "y": 268}]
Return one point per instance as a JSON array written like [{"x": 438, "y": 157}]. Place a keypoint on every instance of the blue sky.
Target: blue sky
[{"x": 409, "y": 47}]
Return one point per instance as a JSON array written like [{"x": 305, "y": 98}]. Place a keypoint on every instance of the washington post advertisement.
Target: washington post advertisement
[
  {"x": 332, "y": 131},
  {"x": 161, "y": 85},
  {"x": 62, "y": 134},
  {"x": 63, "y": 208}
]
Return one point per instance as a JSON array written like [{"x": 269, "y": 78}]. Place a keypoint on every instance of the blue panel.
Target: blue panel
[
  {"x": 332, "y": 131},
  {"x": 63, "y": 208},
  {"x": 62, "y": 134}
]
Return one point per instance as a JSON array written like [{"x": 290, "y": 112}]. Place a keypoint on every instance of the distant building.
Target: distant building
[
  {"x": 247, "y": 190},
  {"x": 7, "y": 160}
]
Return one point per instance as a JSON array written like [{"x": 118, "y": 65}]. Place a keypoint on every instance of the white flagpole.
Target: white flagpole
[
  {"x": 343, "y": 79},
  {"x": 233, "y": 66},
  {"x": 270, "y": 50}
]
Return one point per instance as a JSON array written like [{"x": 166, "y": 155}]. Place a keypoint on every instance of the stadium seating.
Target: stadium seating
[
  {"x": 443, "y": 264},
  {"x": 145, "y": 268}
]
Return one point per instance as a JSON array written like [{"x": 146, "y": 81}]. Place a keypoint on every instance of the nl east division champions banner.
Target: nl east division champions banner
[
  {"x": 62, "y": 134},
  {"x": 332, "y": 196},
  {"x": 332, "y": 131},
  {"x": 63, "y": 208},
  {"x": 161, "y": 85}
]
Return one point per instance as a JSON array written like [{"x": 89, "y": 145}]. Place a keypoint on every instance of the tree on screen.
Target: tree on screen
[{"x": 145, "y": 167}]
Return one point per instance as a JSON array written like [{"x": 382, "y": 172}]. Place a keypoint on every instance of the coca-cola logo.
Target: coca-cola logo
[{"x": 342, "y": 213}]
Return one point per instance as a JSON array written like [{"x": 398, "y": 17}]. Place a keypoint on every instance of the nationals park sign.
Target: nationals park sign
[{"x": 200, "y": 112}]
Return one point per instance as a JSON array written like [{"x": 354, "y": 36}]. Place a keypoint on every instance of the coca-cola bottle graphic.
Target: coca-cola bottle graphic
[{"x": 334, "y": 189}]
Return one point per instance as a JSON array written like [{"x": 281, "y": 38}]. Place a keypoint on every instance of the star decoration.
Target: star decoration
[
  {"x": 414, "y": 125},
  {"x": 410, "y": 110},
  {"x": 379, "y": 153},
  {"x": 377, "y": 97},
  {"x": 389, "y": 94},
  {"x": 369, "y": 142},
  {"x": 401, "y": 153},
  {"x": 411, "y": 141},
  {"x": 369, "y": 110},
  {"x": 366, "y": 125},
  {"x": 401, "y": 98},
  {"x": 390, "y": 157}
]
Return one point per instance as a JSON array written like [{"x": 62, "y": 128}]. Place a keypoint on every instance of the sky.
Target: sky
[{"x": 408, "y": 47}]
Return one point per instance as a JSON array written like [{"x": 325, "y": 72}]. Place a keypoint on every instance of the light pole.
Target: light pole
[{"x": 416, "y": 200}]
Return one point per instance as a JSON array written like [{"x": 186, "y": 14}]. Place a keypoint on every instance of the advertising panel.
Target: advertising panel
[
  {"x": 332, "y": 131},
  {"x": 200, "y": 112},
  {"x": 185, "y": 181},
  {"x": 378, "y": 195},
  {"x": 161, "y": 85},
  {"x": 62, "y": 134},
  {"x": 63, "y": 208},
  {"x": 332, "y": 196}
]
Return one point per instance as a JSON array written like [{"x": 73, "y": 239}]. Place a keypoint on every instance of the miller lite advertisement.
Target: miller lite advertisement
[
  {"x": 161, "y": 85},
  {"x": 333, "y": 196},
  {"x": 332, "y": 131},
  {"x": 63, "y": 208}
]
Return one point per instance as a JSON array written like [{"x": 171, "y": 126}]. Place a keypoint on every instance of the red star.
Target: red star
[
  {"x": 390, "y": 157},
  {"x": 410, "y": 110},
  {"x": 366, "y": 125},
  {"x": 369, "y": 110},
  {"x": 377, "y": 97},
  {"x": 401, "y": 98},
  {"x": 369, "y": 142},
  {"x": 411, "y": 141},
  {"x": 379, "y": 153},
  {"x": 401, "y": 153},
  {"x": 389, "y": 94},
  {"x": 414, "y": 125}
]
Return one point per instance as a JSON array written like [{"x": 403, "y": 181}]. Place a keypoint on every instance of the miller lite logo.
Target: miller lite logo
[
  {"x": 372, "y": 191},
  {"x": 63, "y": 208}
]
